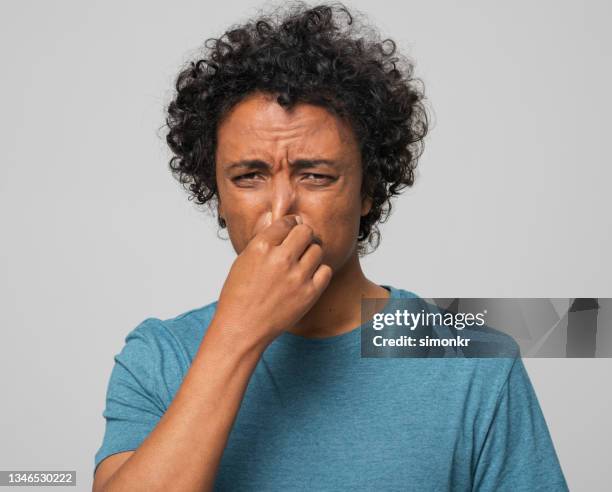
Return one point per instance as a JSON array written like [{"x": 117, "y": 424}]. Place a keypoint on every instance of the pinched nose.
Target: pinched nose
[
  {"x": 282, "y": 196},
  {"x": 264, "y": 221},
  {"x": 268, "y": 217}
]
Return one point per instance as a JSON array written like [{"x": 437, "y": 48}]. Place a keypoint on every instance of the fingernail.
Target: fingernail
[{"x": 298, "y": 219}]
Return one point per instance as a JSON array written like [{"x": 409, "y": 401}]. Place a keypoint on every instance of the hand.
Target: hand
[{"x": 274, "y": 281}]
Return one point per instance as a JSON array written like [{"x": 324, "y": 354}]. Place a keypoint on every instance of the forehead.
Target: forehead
[{"x": 258, "y": 124}]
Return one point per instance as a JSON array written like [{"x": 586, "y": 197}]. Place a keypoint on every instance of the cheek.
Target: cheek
[
  {"x": 337, "y": 222},
  {"x": 240, "y": 222},
  {"x": 237, "y": 236}
]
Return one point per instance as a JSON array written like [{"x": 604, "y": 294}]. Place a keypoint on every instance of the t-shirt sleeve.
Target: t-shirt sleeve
[
  {"x": 133, "y": 406},
  {"x": 518, "y": 453}
]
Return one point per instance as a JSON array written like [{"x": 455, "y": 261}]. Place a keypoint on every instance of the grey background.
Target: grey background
[{"x": 512, "y": 197}]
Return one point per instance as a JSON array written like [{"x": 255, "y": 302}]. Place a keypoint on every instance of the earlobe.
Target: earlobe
[
  {"x": 366, "y": 206},
  {"x": 220, "y": 211}
]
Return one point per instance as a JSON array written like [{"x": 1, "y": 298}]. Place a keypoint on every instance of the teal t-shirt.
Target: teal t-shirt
[{"x": 317, "y": 416}]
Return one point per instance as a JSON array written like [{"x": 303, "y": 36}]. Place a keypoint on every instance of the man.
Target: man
[{"x": 300, "y": 130}]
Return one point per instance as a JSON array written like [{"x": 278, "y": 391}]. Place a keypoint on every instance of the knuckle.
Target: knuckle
[
  {"x": 295, "y": 277},
  {"x": 310, "y": 290},
  {"x": 260, "y": 245},
  {"x": 282, "y": 258},
  {"x": 305, "y": 229}
]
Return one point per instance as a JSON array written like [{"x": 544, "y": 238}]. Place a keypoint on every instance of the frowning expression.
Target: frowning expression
[{"x": 302, "y": 161}]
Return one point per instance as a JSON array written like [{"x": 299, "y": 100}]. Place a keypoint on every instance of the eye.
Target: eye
[
  {"x": 319, "y": 177},
  {"x": 245, "y": 176}
]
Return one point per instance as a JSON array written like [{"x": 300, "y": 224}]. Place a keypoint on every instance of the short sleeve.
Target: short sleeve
[
  {"x": 518, "y": 453},
  {"x": 133, "y": 407}
]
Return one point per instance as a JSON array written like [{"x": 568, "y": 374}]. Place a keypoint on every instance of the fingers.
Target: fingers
[
  {"x": 311, "y": 259},
  {"x": 300, "y": 244},
  {"x": 298, "y": 240},
  {"x": 276, "y": 232},
  {"x": 322, "y": 277},
  {"x": 320, "y": 274}
]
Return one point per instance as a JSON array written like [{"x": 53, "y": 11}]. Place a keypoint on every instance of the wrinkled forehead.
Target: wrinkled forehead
[{"x": 258, "y": 127}]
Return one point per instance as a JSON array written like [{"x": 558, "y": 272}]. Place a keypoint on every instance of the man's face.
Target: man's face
[{"x": 271, "y": 162}]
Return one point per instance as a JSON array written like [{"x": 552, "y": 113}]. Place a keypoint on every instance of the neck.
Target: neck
[{"x": 338, "y": 309}]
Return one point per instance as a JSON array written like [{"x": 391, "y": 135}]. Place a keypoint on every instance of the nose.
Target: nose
[{"x": 283, "y": 197}]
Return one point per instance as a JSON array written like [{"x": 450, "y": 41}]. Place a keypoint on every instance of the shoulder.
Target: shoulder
[
  {"x": 159, "y": 351},
  {"x": 173, "y": 339},
  {"x": 399, "y": 293},
  {"x": 189, "y": 327},
  {"x": 485, "y": 366},
  {"x": 484, "y": 340}
]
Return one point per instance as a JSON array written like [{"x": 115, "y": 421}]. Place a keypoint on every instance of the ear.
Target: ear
[
  {"x": 220, "y": 210},
  {"x": 366, "y": 205}
]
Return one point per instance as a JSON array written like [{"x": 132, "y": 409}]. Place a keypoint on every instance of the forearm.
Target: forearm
[{"x": 184, "y": 450}]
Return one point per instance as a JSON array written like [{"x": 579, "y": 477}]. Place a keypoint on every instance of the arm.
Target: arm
[
  {"x": 518, "y": 452},
  {"x": 173, "y": 456},
  {"x": 272, "y": 284}
]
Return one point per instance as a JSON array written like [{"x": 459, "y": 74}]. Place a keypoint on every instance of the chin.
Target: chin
[{"x": 336, "y": 260}]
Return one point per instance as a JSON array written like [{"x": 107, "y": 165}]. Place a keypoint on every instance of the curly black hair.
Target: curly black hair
[{"x": 318, "y": 55}]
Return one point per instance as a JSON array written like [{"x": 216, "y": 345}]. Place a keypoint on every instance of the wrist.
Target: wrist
[{"x": 232, "y": 338}]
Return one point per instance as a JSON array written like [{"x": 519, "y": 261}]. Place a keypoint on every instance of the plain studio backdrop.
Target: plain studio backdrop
[{"x": 512, "y": 197}]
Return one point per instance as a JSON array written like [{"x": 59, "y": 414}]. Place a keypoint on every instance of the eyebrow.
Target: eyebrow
[{"x": 260, "y": 165}]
